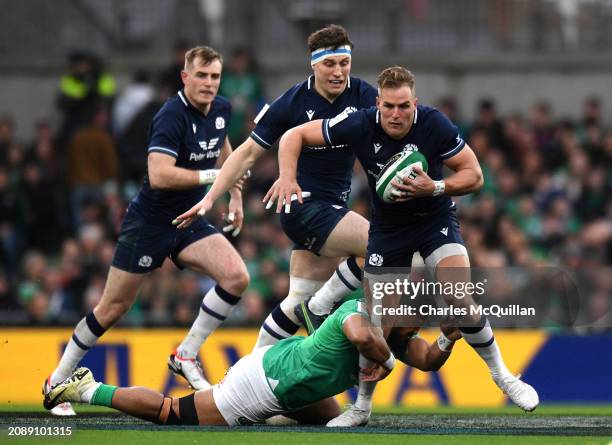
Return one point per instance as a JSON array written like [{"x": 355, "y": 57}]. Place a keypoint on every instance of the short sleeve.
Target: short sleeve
[
  {"x": 167, "y": 131},
  {"x": 344, "y": 129},
  {"x": 271, "y": 122},
  {"x": 448, "y": 140}
]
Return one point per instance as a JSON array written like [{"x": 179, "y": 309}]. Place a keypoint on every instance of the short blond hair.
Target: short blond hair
[
  {"x": 396, "y": 77},
  {"x": 205, "y": 53}
]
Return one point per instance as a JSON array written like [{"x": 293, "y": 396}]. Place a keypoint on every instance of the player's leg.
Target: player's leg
[
  {"x": 214, "y": 256},
  {"x": 318, "y": 413},
  {"x": 348, "y": 238},
  {"x": 144, "y": 403},
  {"x": 307, "y": 274},
  {"x": 118, "y": 296},
  {"x": 477, "y": 331}
]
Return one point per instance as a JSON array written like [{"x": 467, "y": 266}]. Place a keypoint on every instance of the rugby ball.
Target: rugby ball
[{"x": 400, "y": 166}]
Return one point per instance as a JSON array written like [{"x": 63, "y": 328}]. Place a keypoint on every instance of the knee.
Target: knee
[{"x": 237, "y": 281}]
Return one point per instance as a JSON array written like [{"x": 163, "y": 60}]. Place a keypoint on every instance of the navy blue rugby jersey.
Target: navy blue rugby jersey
[
  {"x": 432, "y": 134},
  {"x": 182, "y": 131},
  {"x": 325, "y": 172}
]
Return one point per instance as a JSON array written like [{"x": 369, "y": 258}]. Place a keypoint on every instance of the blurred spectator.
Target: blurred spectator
[
  {"x": 488, "y": 120},
  {"x": 131, "y": 100},
  {"x": 92, "y": 163},
  {"x": 83, "y": 87},
  {"x": 170, "y": 77},
  {"x": 242, "y": 86}
]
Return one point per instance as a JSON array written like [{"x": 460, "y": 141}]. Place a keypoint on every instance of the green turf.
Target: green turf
[
  {"x": 255, "y": 438},
  {"x": 548, "y": 410}
]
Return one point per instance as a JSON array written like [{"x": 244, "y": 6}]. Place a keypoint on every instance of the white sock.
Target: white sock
[
  {"x": 282, "y": 322},
  {"x": 85, "y": 335},
  {"x": 89, "y": 392},
  {"x": 486, "y": 347},
  {"x": 216, "y": 306},
  {"x": 346, "y": 279},
  {"x": 366, "y": 389}
]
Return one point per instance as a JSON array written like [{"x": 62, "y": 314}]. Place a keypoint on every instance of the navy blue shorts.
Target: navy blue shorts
[
  {"x": 394, "y": 246},
  {"x": 143, "y": 245},
  {"x": 309, "y": 224}
]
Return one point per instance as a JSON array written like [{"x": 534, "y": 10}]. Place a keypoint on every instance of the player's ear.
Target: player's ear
[
  {"x": 184, "y": 76},
  {"x": 378, "y": 102}
]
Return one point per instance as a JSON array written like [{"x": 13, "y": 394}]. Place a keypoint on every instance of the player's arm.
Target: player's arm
[
  {"x": 415, "y": 351},
  {"x": 234, "y": 168},
  {"x": 164, "y": 174},
  {"x": 289, "y": 150},
  {"x": 369, "y": 341},
  {"x": 466, "y": 179},
  {"x": 468, "y": 174},
  {"x": 235, "y": 215}
]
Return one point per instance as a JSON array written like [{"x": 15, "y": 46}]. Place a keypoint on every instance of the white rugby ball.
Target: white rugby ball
[{"x": 401, "y": 165}]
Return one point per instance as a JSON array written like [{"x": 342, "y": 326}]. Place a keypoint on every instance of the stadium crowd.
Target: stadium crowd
[{"x": 546, "y": 199}]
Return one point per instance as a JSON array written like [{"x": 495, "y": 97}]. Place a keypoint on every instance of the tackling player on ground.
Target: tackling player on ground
[
  {"x": 424, "y": 218},
  {"x": 295, "y": 377},
  {"x": 187, "y": 139},
  {"x": 323, "y": 229}
]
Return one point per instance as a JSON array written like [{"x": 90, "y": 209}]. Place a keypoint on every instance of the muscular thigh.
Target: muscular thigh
[
  {"x": 213, "y": 256},
  {"x": 349, "y": 237},
  {"x": 305, "y": 264}
]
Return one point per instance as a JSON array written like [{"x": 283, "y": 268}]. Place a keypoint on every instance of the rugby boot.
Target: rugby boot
[{"x": 190, "y": 369}]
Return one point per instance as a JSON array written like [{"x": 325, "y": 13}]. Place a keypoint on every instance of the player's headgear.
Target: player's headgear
[{"x": 330, "y": 41}]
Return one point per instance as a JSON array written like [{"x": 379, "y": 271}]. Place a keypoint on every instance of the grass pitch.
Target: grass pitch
[{"x": 558, "y": 425}]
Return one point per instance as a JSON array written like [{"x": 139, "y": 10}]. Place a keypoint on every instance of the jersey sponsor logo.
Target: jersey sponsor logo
[
  {"x": 310, "y": 113},
  {"x": 210, "y": 145},
  {"x": 219, "y": 123},
  {"x": 338, "y": 118},
  {"x": 377, "y": 147},
  {"x": 375, "y": 260},
  {"x": 444, "y": 231},
  {"x": 145, "y": 261},
  {"x": 208, "y": 155},
  {"x": 410, "y": 148}
]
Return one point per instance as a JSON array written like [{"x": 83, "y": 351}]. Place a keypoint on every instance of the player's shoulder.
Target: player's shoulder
[
  {"x": 352, "y": 306},
  {"x": 297, "y": 91},
  {"x": 361, "y": 85},
  {"x": 430, "y": 116},
  {"x": 222, "y": 104},
  {"x": 173, "y": 108}
]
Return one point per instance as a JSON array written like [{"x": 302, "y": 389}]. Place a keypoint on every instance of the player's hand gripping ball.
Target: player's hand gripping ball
[{"x": 400, "y": 167}]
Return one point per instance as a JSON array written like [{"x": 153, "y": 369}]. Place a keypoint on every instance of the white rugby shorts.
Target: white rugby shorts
[{"x": 244, "y": 396}]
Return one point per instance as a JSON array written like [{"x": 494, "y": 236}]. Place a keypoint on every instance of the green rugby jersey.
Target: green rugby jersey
[{"x": 303, "y": 370}]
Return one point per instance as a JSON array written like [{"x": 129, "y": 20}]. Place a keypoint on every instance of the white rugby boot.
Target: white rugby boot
[
  {"x": 190, "y": 369},
  {"x": 522, "y": 394},
  {"x": 351, "y": 417},
  {"x": 63, "y": 409},
  {"x": 70, "y": 390}
]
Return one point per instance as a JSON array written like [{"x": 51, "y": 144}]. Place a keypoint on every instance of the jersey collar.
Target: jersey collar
[{"x": 181, "y": 95}]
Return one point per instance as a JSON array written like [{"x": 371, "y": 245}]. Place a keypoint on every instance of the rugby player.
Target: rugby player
[
  {"x": 296, "y": 377},
  {"x": 424, "y": 218},
  {"x": 188, "y": 137},
  {"x": 324, "y": 231}
]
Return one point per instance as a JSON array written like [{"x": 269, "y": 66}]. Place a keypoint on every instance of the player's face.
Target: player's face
[
  {"x": 396, "y": 106},
  {"x": 202, "y": 83},
  {"x": 331, "y": 75}
]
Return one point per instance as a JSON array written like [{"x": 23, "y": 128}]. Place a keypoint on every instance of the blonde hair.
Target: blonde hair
[
  {"x": 395, "y": 77},
  {"x": 205, "y": 53}
]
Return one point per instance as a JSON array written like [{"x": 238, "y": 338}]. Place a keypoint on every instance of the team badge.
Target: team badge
[
  {"x": 219, "y": 123},
  {"x": 375, "y": 260},
  {"x": 145, "y": 261}
]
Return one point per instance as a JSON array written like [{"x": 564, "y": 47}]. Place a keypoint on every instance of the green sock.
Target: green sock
[{"x": 103, "y": 396}]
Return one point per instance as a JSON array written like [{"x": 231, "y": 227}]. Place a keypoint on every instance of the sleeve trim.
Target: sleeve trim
[
  {"x": 260, "y": 140},
  {"x": 163, "y": 150},
  {"x": 326, "y": 133},
  {"x": 454, "y": 151}
]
